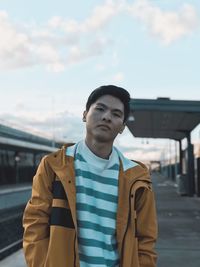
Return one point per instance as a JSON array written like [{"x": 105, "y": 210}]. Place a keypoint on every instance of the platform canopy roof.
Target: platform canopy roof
[{"x": 163, "y": 118}]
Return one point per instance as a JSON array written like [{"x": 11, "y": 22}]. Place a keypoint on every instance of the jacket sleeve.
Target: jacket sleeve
[
  {"x": 146, "y": 226},
  {"x": 36, "y": 217}
]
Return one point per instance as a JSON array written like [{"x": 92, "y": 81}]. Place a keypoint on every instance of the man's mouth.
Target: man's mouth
[{"x": 104, "y": 126}]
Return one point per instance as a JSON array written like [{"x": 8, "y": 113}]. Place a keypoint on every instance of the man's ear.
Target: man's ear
[
  {"x": 84, "y": 115},
  {"x": 122, "y": 128}
]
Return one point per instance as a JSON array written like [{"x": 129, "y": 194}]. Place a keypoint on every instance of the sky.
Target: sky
[{"x": 54, "y": 53}]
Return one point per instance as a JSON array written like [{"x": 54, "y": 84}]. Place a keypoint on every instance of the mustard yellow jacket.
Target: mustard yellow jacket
[{"x": 50, "y": 226}]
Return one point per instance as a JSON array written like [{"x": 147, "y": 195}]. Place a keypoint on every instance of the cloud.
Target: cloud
[
  {"x": 96, "y": 47},
  {"x": 99, "y": 18},
  {"x": 167, "y": 26},
  {"x": 57, "y": 44},
  {"x": 20, "y": 48},
  {"x": 62, "y": 42},
  {"x": 102, "y": 15},
  {"x": 49, "y": 55},
  {"x": 62, "y": 126},
  {"x": 12, "y": 52}
]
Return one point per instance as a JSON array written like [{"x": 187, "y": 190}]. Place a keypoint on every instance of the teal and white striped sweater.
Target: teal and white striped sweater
[{"x": 96, "y": 205}]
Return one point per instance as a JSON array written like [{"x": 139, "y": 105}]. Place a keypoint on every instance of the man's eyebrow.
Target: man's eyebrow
[{"x": 116, "y": 109}]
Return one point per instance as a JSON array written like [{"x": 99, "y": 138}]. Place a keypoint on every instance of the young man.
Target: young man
[{"x": 91, "y": 206}]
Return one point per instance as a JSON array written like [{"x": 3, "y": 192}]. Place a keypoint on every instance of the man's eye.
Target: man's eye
[
  {"x": 99, "y": 108},
  {"x": 117, "y": 115}
]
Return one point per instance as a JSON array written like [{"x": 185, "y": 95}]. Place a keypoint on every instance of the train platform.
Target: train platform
[
  {"x": 179, "y": 232},
  {"x": 14, "y": 260},
  {"x": 179, "y": 220}
]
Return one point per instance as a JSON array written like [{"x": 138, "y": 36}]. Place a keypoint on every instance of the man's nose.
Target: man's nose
[{"x": 107, "y": 116}]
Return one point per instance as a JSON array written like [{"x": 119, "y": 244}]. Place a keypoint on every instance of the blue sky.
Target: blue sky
[{"x": 54, "y": 53}]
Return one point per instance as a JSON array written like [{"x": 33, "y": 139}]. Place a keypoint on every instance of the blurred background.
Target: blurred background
[{"x": 54, "y": 53}]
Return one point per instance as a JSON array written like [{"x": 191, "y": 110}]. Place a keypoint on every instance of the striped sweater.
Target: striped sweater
[{"x": 96, "y": 205}]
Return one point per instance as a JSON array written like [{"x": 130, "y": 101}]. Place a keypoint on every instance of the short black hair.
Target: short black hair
[{"x": 112, "y": 90}]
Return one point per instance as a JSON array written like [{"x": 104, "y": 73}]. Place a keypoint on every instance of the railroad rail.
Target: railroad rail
[{"x": 11, "y": 230}]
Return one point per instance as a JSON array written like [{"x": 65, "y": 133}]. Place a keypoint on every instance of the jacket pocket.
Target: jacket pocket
[{"x": 61, "y": 247}]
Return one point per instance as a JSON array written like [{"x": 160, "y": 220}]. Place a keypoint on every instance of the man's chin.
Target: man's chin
[{"x": 103, "y": 138}]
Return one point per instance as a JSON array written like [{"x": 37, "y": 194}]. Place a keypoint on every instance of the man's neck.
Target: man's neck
[{"x": 102, "y": 150}]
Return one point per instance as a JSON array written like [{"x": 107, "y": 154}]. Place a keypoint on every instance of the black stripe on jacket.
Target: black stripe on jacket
[
  {"x": 61, "y": 217},
  {"x": 58, "y": 190}
]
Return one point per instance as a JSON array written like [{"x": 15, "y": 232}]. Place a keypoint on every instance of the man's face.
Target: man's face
[{"x": 105, "y": 119}]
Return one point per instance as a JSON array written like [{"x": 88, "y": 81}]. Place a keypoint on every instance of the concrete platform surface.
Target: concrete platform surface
[
  {"x": 15, "y": 260},
  {"x": 179, "y": 228}
]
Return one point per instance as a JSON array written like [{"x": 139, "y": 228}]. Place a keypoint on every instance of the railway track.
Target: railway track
[{"x": 11, "y": 231}]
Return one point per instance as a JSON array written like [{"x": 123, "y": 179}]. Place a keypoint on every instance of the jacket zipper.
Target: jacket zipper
[
  {"x": 122, "y": 248},
  {"x": 123, "y": 240},
  {"x": 129, "y": 214},
  {"x": 75, "y": 250}
]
